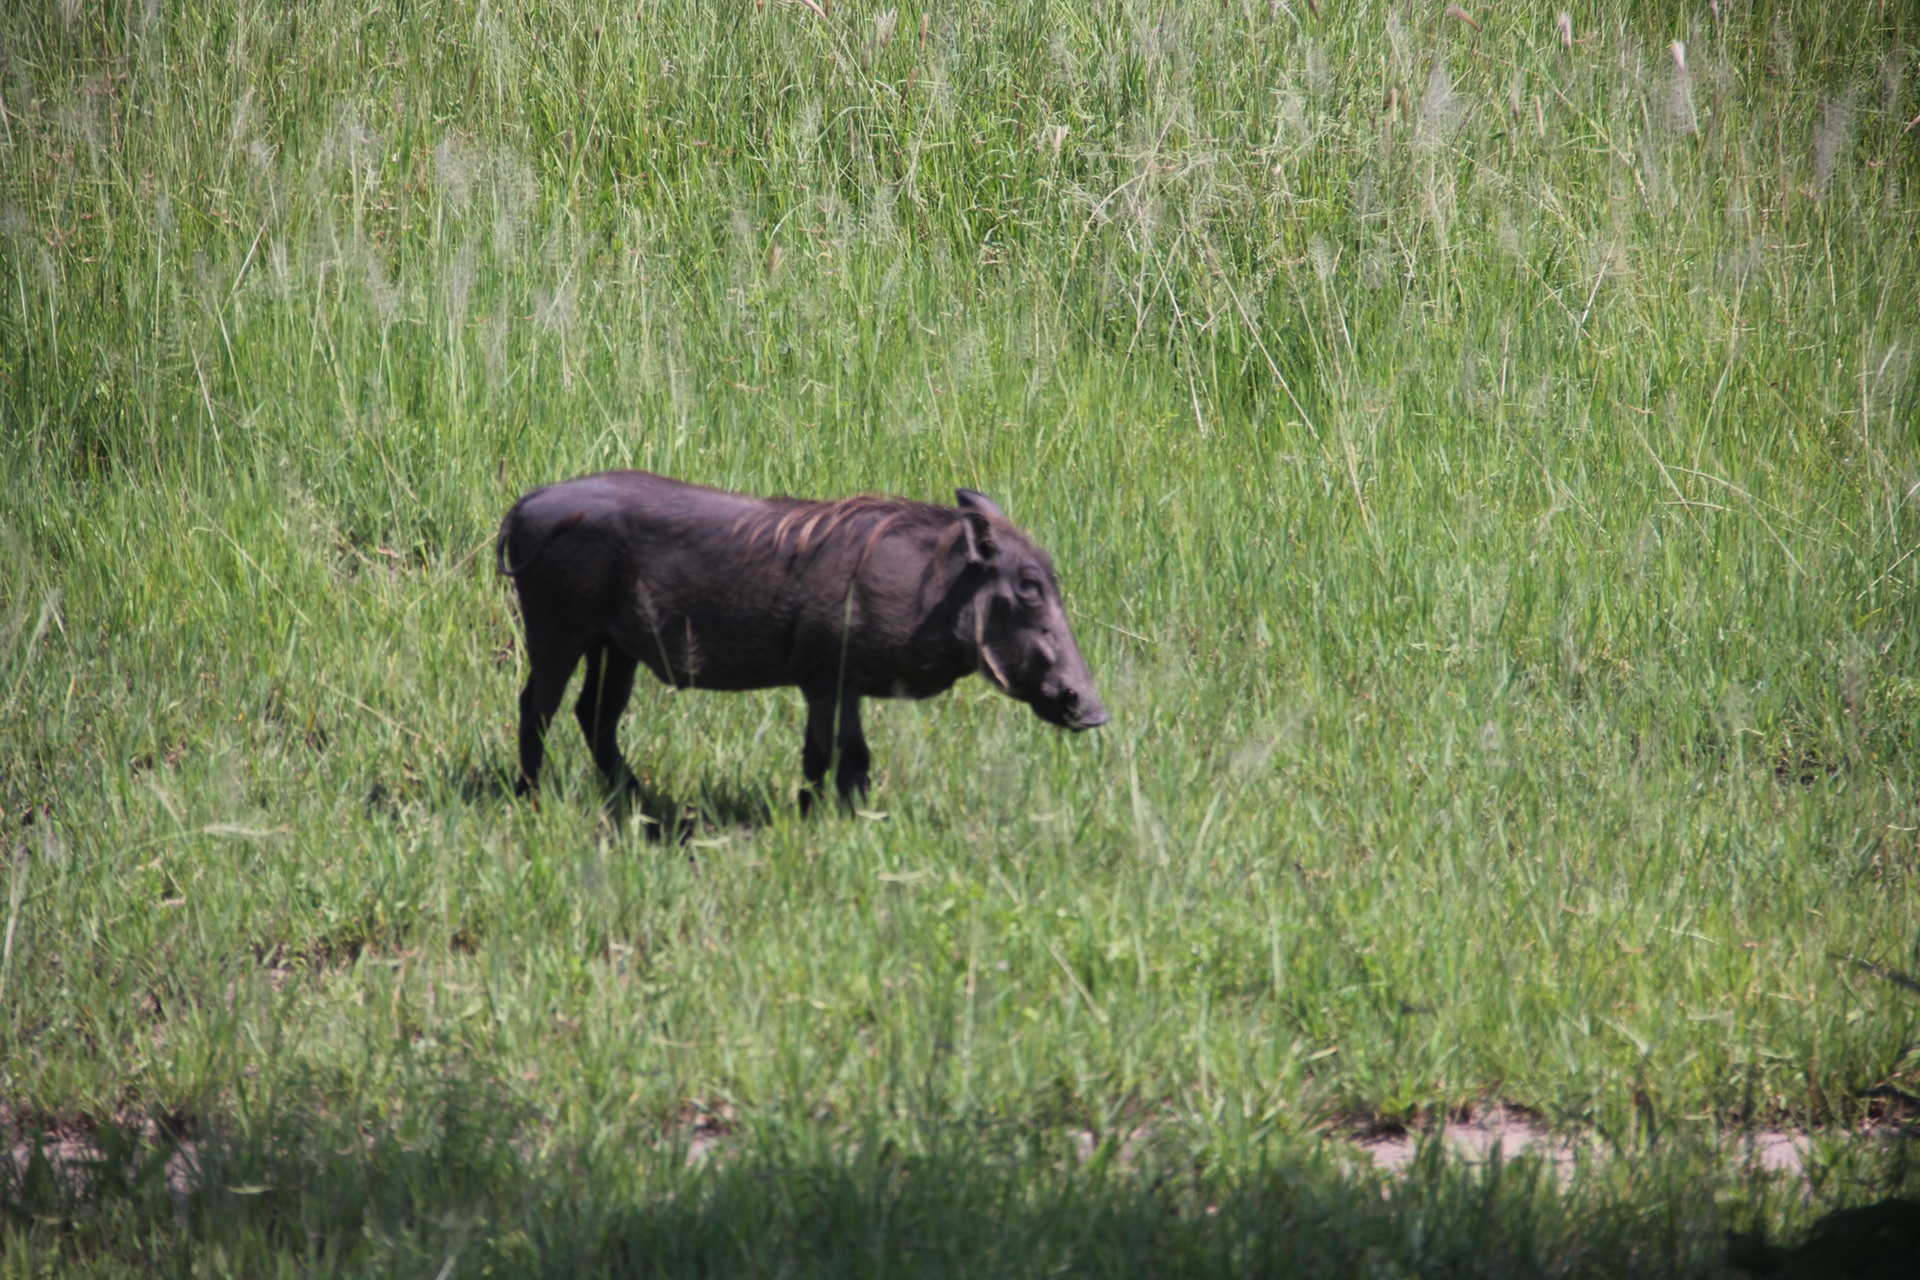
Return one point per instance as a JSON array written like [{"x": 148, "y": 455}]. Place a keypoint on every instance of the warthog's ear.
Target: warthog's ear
[
  {"x": 976, "y": 537},
  {"x": 971, "y": 501},
  {"x": 979, "y": 512}
]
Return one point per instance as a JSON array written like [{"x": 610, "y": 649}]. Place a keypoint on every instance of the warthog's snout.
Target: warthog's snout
[{"x": 1071, "y": 709}]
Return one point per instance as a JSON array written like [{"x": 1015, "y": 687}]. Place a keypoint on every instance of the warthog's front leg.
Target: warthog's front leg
[{"x": 833, "y": 727}]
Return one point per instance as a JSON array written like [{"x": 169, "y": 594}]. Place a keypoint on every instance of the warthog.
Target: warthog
[{"x": 865, "y": 597}]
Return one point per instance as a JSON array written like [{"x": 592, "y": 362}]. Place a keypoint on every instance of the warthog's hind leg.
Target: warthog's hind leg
[
  {"x": 603, "y": 698},
  {"x": 546, "y": 686}
]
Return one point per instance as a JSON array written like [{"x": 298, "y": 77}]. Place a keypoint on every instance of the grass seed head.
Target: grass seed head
[
  {"x": 460, "y": 287},
  {"x": 1507, "y": 236},
  {"x": 453, "y": 169},
  {"x": 381, "y": 291},
  {"x": 1375, "y": 270},
  {"x": 1399, "y": 45},
  {"x": 877, "y": 220},
  {"x": 240, "y": 126},
  {"x": 277, "y": 265},
  {"x": 554, "y": 308},
  {"x": 1679, "y": 112},
  {"x": 807, "y": 131},
  {"x": 514, "y": 192},
  {"x": 1321, "y": 254},
  {"x": 493, "y": 352},
  {"x": 1441, "y": 110},
  {"x": 1289, "y": 117},
  {"x": 1319, "y": 71},
  {"x": 884, "y": 25},
  {"x": 1831, "y": 139}
]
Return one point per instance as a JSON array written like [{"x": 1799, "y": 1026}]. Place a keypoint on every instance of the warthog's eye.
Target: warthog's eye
[{"x": 1032, "y": 590}]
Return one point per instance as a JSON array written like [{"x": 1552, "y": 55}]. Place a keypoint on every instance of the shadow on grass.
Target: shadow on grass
[
  {"x": 678, "y": 820},
  {"x": 456, "y": 1185},
  {"x": 666, "y": 817}
]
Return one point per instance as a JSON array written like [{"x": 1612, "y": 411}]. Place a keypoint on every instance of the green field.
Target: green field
[{"x": 1484, "y": 471}]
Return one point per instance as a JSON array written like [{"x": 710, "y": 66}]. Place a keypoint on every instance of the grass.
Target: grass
[{"x": 1483, "y": 472}]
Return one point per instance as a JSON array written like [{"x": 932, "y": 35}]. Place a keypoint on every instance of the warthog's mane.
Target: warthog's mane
[{"x": 797, "y": 527}]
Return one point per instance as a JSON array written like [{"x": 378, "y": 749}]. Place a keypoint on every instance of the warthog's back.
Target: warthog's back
[{"x": 721, "y": 590}]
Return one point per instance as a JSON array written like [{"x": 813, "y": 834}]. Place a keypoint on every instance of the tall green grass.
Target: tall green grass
[{"x": 1483, "y": 471}]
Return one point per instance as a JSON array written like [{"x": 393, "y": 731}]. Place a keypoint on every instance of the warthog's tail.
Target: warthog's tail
[{"x": 500, "y": 544}]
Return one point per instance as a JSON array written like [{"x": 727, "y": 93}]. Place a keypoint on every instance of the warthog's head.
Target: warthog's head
[{"x": 1018, "y": 624}]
